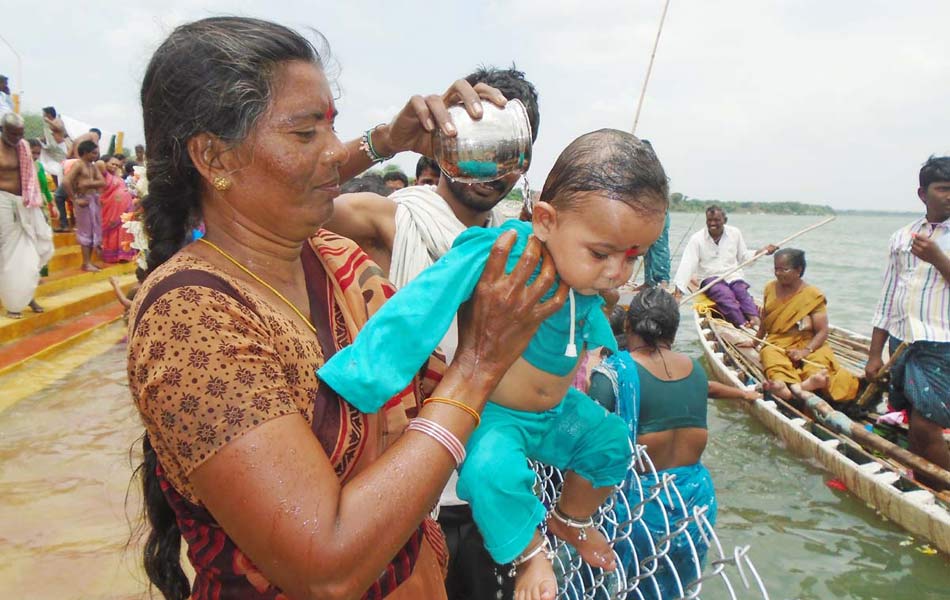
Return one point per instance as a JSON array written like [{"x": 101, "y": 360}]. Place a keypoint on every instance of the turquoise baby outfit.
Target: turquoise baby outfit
[{"x": 577, "y": 434}]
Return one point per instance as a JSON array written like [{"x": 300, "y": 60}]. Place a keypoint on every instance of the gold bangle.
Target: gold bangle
[{"x": 460, "y": 405}]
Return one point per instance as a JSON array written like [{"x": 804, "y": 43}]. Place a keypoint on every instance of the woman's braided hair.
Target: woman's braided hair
[{"x": 211, "y": 76}]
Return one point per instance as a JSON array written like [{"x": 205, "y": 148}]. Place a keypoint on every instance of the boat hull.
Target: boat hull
[{"x": 879, "y": 483}]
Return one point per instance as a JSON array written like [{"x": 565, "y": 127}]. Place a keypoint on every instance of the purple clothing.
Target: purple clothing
[
  {"x": 732, "y": 300},
  {"x": 88, "y": 221}
]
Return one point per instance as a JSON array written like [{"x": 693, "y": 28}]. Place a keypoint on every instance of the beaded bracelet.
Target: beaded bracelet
[
  {"x": 366, "y": 145},
  {"x": 460, "y": 405},
  {"x": 441, "y": 435}
]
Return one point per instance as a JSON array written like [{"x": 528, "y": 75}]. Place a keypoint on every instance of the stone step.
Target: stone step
[
  {"x": 65, "y": 258},
  {"x": 60, "y": 306},
  {"x": 66, "y": 279},
  {"x": 56, "y": 338},
  {"x": 67, "y": 238}
]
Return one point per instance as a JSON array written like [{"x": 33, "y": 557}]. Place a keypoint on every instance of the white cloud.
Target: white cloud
[{"x": 832, "y": 102}]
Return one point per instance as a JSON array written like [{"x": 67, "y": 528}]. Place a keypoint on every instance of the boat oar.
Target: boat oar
[
  {"x": 767, "y": 343},
  {"x": 874, "y": 385},
  {"x": 841, "y": 423},
  {"x": 753, "y": 259}
]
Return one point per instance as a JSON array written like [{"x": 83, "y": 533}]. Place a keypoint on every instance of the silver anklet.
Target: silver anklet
[
  {"x": 544, "y": 546},
  {"x": 574, "y": 523}
]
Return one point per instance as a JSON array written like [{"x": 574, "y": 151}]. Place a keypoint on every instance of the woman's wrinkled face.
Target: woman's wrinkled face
[
  {"x": 596, "y": 244},
  {"x": 785, "y": 273},
  {"x": 287, "y": 174}
]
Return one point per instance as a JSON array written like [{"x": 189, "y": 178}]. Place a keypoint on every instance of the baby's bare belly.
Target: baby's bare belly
[{"x": 528, "y": 388}]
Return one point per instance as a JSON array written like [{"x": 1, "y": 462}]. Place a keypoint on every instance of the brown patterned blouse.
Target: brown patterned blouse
[{"x": 210, "y": 359}]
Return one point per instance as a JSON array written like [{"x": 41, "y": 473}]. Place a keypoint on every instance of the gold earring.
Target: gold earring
[{"x": 222, "y": 184}]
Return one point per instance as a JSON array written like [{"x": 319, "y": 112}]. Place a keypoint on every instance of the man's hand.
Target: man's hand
[
  {"x": 927, "y": 250},
  {"x": 767, "y": 249},
  {"x": 412, "y": 128},
  {"x": 53, "y": 211},
  {"x": 873, "y": 367}
]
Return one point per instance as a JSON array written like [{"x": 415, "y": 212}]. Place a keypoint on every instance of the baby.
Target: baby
[{"x": 602, "y": 205}]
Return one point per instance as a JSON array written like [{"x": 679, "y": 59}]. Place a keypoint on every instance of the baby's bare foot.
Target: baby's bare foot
[
  {"x": 535, "y": 579},
  {"x": 595, "y": 550}
]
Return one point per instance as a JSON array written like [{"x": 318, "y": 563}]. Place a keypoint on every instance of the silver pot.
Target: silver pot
[{"x": 486, "y": 149}]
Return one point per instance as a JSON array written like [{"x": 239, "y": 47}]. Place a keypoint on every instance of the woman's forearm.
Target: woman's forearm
[{"x": 394, "y": 494}]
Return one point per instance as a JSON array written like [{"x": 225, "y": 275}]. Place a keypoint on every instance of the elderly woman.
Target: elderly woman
[
  {"x": 279, "y": 486},
  {"x": 795, "y": 327}
]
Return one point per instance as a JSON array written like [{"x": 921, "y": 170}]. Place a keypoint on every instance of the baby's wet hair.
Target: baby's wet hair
[{"x": 612, "y": 162}]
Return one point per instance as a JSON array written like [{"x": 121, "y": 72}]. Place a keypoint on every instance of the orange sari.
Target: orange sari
[{"x": 782, "y": 319}]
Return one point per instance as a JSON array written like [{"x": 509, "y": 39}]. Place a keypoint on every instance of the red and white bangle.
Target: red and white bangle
[{"x": 441, "y": 435}]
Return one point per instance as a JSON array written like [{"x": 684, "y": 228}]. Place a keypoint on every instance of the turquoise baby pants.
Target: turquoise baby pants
[{"x": 576, "y": 435}]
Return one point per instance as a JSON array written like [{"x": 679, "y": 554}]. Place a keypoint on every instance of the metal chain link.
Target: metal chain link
[{"x": 643, "y": 558}]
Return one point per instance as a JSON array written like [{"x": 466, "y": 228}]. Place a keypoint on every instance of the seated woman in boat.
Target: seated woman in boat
[
  {"x": 661, "y": 395},
  {"x": 795, "y": 327}
]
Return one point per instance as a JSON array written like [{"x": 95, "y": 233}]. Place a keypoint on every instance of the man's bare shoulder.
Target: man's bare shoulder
[
  {"x": 365, "y": 217},
  {"x": 367, "y": 201}
]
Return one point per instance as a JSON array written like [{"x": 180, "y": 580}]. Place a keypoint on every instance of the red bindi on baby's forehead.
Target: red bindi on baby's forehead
[{"x": 635, "y": 251}]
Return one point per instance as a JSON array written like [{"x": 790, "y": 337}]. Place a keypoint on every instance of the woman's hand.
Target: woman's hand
[
  {"x": 412, "y": 128},
  {"x": 797, "y": 354},
  {"x": 504, "y": 312}
]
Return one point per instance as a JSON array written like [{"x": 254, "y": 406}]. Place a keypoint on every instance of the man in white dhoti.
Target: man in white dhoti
[
  {"x": 407, "y": 232},
  {"x": 26, "y": 240}
]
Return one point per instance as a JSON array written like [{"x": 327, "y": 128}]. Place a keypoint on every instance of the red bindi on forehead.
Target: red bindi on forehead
[
  {"x": 635, "y": 251},
  {"x": 332, "y": 112}
]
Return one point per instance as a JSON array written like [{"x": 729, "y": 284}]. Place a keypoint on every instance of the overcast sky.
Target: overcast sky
[{"x": 830, "y": 102}]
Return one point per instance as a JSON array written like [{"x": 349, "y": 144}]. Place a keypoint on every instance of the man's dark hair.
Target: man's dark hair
[
  {"x": 34, "y": 143},
  {"x": 796, "y": 258},
  {"x": 371, "y": 182},
  {"x": 514, "y": 86},
  {"x": 715, "y": 208},
  {"x": 106, "y": 158},
  {"x": 97, "y": 131},
  {"x": 613, "y": 162},
  {"x": 937, "y": 168},
  {"x": 86, "y": 147},
  {"x": 396, "y": 176},
  {"x": 139, "y": 147},
  {"x": 49, "y": 110},
  {"x": 119, "y": 155},
  {"x": 654, "y": 315},
  {"x": 426, "y": 164},
  {"x": 129, "y": 168}
]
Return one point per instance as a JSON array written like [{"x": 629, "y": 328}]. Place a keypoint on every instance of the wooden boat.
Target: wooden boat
[{"x": 881, "y": 482}]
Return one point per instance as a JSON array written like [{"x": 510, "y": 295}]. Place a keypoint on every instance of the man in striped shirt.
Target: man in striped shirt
[{"x": 915, "y": 307}]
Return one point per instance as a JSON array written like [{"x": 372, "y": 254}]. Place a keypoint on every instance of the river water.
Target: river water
[{"x": 64, "y": 460}]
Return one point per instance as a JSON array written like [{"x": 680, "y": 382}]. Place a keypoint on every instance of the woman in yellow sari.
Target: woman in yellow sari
[{"x": 795, "y": 321}]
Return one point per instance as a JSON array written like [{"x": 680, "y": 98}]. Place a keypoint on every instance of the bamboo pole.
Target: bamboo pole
[
  {"x": 646, "y": 80},
  {"x": 838, "y": 421},
  {"x": 874, "y": 385},
  {"x": 753, "y": 259},
  {"x": 767, "y": 343}
]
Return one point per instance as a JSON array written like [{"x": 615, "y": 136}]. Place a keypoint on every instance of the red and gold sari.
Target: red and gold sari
[
  {"x": 247, "y": 362},
  {"x": 115, "y": 200}
]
